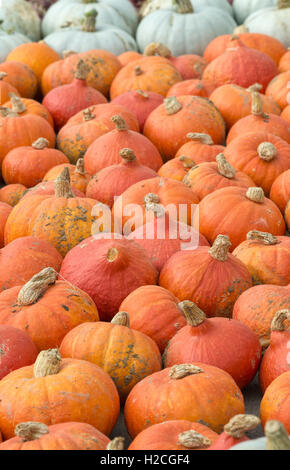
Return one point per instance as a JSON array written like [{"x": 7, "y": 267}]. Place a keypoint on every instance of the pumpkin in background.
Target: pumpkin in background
[
  {"x": 257, "y": 306},
  {"x": 148, "y": 74},
  {"x": 174, "y": 435},
  {"x": 62, "y": 436},
  {"x": 278, "y": 89},
  {"x": 194, "y": 87},
  {"x": 20, "y": 16},
  {"x": 24, "y": 107},
  {"x": 128, "y": 56},
  {"x": 5, "y": 89},
  {"x": 108, "y": 269},
  {"x": 200, "y": 148},
  {"x": 12, "y": 193},
  {"x": 276, "y": 439},
  {"x": 112, "y": 181},
  {"x": 210, "y": 277},
  {"x": 47, "y": 188},
  {"x": 5, "y": 210},
  {"x": 21, "y": 77},
  {"x": 32, "y": 306},
  {"x": 275, "y": 402},
  {"x": 210, "y": 341},
  {"x": 105, "y": 150},
  {"x": 67, "y": 100},
  {"x": 168, "y": 125},
  {"x": 244, "y": 8},
  {"x": 17, "y": 350},
  {"x": 137, "y": 353},
  {"x": 202, "y": 392},
  {"x": 177, "y": 168},
  {"x": 275, "y": 361},
  {"x": 235, "y": 211},
  {"x": 235, "y": 102},
  {"x": 91, "y": 396},
  {"x": 151, "y": 5},
  {"x": 78, "y": 176},
  {"x": 140, "y": 103},
  {"x": 284, "y": 64},
  {"x": 235, "y": 432},
  {"x": 267, "y": 258},
  {"x": 86, "y": 126},
  {"x": 261, "y": 155},
  {"x": 28, "y": 165},
  {"x": 207, "y": 177},
  {"x": 9, "y": 41},
  {"x": 280, "y": 190}
]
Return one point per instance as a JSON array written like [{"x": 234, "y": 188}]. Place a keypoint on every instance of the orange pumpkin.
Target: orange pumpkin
[
  {"x": 78, "y": 176},
  {"x": 5, "y": 89},
  {"x": 275, "y": 404},
  {"x": 5, "y": 210},
  {"x": 12, "y": 193},
  {"x": 90, "y": 394},
  {"x": 280, "y": 190},
  {"x": 177, "y": 168},
  {"x": 194, "y": 86},
  {"x": 47, "y": 188},
  {"x": 20, "y": 77},
  {"x": 286, "y": 113},
  {"x": 200, "y": 148},
  {"x": 128, "y": 56},
  {"x": 278, "y": 89},
  {"x": 284, "y": 64},
  {"x": 24, "y": 106},
  {"x": 287, "y": 215}
]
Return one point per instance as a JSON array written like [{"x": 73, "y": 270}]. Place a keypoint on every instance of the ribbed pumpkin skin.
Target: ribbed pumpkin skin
[
  {"x": 21, "y": 77},
  {"x": 275, "y": 403},
  {"x": 63, "y": 436},
  {"x": 191, "y": 86},
  {"x": 12, "y": 193},
  {"x": 168, "y": 132},
  {"x": 78, "y": 180},
  {"x": 177, "y": 168},
  {"x": 284, "y": 64},
  {"x": 17, "y": 350},
  {"x": 269, "y": 123},
  {"x": 257, "y": 306},
  {"x": 5, "y": 89},
  {"x": 267, "y": 264},
  {"x": 200, "y": 152},
  {"x": 164, "y": 436},
  {"x": 88, "y": 266},
  {"x": 230, "y": 212},
  {"x": 81, "y": 392},
  {"x": 62, "y": 307},
  {"x": 5, "y": 210},
  {"x": 213, "y": 285},
  {"x": 275, "y": 361},
  {"x": 280, "y": 190},
  {"x": 277, "y": 89},
  {"x": 124, "y": 353},
  {"x": 211, "y": 396},
  {"x": 33, "y": 107},
  {"x": 220, "y": 342}
]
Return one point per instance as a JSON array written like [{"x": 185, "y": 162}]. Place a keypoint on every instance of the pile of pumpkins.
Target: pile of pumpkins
[{"x": 94, "y": 310}]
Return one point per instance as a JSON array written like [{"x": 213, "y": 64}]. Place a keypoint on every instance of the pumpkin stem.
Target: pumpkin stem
[
  {"x": 224, "y": 168},
  {"x": 172, "y": 105},
  {"x": 256, "y": 195},
  {"x": 242, "y": 29},
  {"x": 30, "y": 431},
  {"x": 118, "y": 443},
  {"x": 240, "y": 424},
  {"x": 267, "y": 151},
  {"x": 198, "y": 69},
  {"x": 183, "y": 6},
  {"x": 220, "y": 248},
  {"x": 278, "y": 322},
  {"x": 187, "y": 162},
  {"x": 40, "y": 144},
  {"x": 283, "y": 4},
  {"x": 47, "y": 363},
  {"x": 7, "y": 112},
  {"x": 277, "y": 436},
  {"x": 202, "y": 138},
  {"x": 194, "y": 316},
  {"x": 255, "y": 87},
  {"x": 82, "y": 70},
  {"x": 112, "y": 254},
  {"x": 62, "y": 185},
  {"x": 36, "y": 287},
  {"x": 80, "y": 167},
  {"x": 89, "y": 23},
  {"x": 193, "y": 440},
  {"x": 127, "y": 155},
  {"x": 257, "y": 105},
  {"x": 152, "y": 203},
  {"x": 151, "y": 198},
  {"x": 142, "y": 94},
  {"x": 88, "y": 114},
  {"x": 138, "y": 70},
  {"x": 119, "y": 123},
  {"x": 157, "y": 48},
  {"x": 122, "y": 319},
  {"x": 68, "y": 53},
  {"x": 264, "y": 237},
  {"x": 17, "y": 105},
  {"x": 181, "y": 371},
  {"x": 3, "y": 75}
]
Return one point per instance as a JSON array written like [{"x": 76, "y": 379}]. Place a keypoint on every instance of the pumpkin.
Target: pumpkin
[
  {"x": 138, "y": 354},
  {"x": 168, "y": 125},
  {"x": 257, "y": 306},
  {"x": 244, "y": 8},
  {"x": 174, "y": 435},
  {"x": 277, "y": 439},
  {"x": 103, "y": 67},
  {"x": 234, "y": 432},
  {"x": 154, "y": 311},
  {"x": 267, "y": 258},
  {"x": 86, "y": 126},
  {"x": 20, "y": 16},
  {"x": 20, "y": 77},
  {"x": 280, "y": 190},
  {"x": 200, "y": 148},
  {"x": 235, "y": 102},
  {"x": 278, "y": 89},
  {"x": 41, "y": 6},
  {"x": 47, "y": 188},
  {"x": 193, "y": 87},
  {"x": 258, "y": 121},
  {"x": 154, "y": 399},
  {"x": 10, "y": 40},
  {"x": 177, "y": 168},
  {"x": 5, "y": 210},
  {"x": 12, "y": 193},
  {"x": 62, "y": 436},
  {"x": 235, "y": 211},
  {"x": 91, "y": 396},
  {"x": 108, "y": 268},
  {"x": 207, "y": 177},
  {"x": 284, "y": 64},
  {"x": 155, "y": 74},
  {"x": 151, "y": 5},
  {"x": 161, "y": 194},
  {"x": 28, "y": 165},
  {"x": 275, "y": 361},
  {"x": 287, "y": 215},
  {"x": 187, "y": 273},
  {"x": 23, "y": 258},
  {"x": 275, "y": 402},
  {"x": 17, "y": 350},
  {"x": 78, "y": 177},
  {"x": 128, "y": 56},
  {"x": 27, "y": 106},
  {"x": 5, "y": 89},
  {"x": 140, "y": 103},
  {"x": 261, "y": 155},
  {"x": 241, "y": 65},
  {"x": 112, "y": 181},
  {"x": 286, "y": 113}
]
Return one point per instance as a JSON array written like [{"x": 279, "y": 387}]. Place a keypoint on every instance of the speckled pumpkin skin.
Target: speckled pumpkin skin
[
  {"x": 78, "y": 180},
  {"x": 12, "y": 193}
]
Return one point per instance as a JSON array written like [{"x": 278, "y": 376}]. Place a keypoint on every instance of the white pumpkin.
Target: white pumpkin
[
  {"x": 117, "y": 13},
  {"x": 184, "y": 31},
  {"x": 152, "y": 5},
  {"x": 8, "y": 42},
  {"x": 276, "y": 439},
  {"x": 21, "y": 17},
  {"x": 272, "y": 21},
  {"x": 244, "y": 8}
]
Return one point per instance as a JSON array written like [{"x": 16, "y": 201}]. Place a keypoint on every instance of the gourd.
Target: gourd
[
  {"x": 21, "y": 17},
  {"x": 152, "y": 5},
  {"x": 244, "y": 8}
]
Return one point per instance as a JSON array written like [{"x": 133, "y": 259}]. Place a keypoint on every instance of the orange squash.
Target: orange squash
[
  {"x": 194, "y": 86},
  {"x": 5, "y": 210},
  {"x": 284, "y": 64},
  {"x": 280, "y": 190},
  {"x": 21, "y": 77},
  {"x": 177, "y": 168},
  {"x": 12, "y": 193},
  {"x": 276, "y": 401},
  {"x": 5, "y": 89},
  {"x": 286, "y": 113},
  {"x": 128, "y": 56},
  {"x": 78, "y": 176},
  {"x": 278, "y": 89},
  {"x": 200, "y": 148},
  {"x": 24, "y": 106}
]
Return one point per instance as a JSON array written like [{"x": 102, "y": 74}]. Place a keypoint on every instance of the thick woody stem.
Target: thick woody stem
[
  {"x": 283, "y": 4},
  {"x": 36, "y": 287},
  {"x": 277, "y": 436},
  {"x": 202, "y": 138},
  {"x": 220, "y": 248},
  {"x": 157, "y": 48},
  {"x": 122, "y": 319},
  {"x": 62, "y": 185},
  {"x": 152, "y": 203},
  {"x": 88, "y": 114},
  {"x": 30, "y": 430},
  {"x": 80, "y": 167},
  {"x": 257, "y": 104},
  {"x": 255, "y": 87},
  {"x": 127, "y": 155},
  {"x": 224, "y": 168},
  {"x": 181, "y": 371},
  {"x": 183, "y": 6},
  {"x": 172, "y": 105},
  {"x": 193, "y": 440},
  {"x": 112, "y": 254},
  {"x": 256, "y": 195},
  {"x": 7, "y": 112},
  {"x": 267, "y": 151},
  {"x": 119, "y": 123},
  {"x": 40, "y": 144},
  {"x": 278, "y": 322},
  {"x": 17, "y": 105},
  {"x": 187, "y": 162},
  {"x": 242, "y": 29},
  {"x": 3, "y": 75},
  {"x": 194, "y": 316},
  {"x": 240, "y": 424},
  {"x": 118, "y": 443},
  {"x": 82, "y": 70},
  {"x": 47, "y": 363},
  {"x": 89, "y": 24},
  {"x": 264, "y": 237}
]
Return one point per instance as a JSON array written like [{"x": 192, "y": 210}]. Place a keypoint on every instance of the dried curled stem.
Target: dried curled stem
[
  {"x": 181, "y": 371},
  {"x": 240, "y": 424},
  {"x": 122, "y": 319}
]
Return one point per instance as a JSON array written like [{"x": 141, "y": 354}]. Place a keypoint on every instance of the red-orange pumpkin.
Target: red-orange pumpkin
[
  {"x": 280, "y": 190},
  {"x": 276, "y": 401},
  {"x": 5, "y": 210},
  {"x": 6, "y": 88},
  {"x": 194, "y": 86},
  {"x": 286, "y": 113},
  {"x": 278, "y": 89},
  {"x": 177, "y": 168},
  {"x": 78, "y": 177},
  {"x": 200, "y": 148},
  {"x": 284, "y": 64}
]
